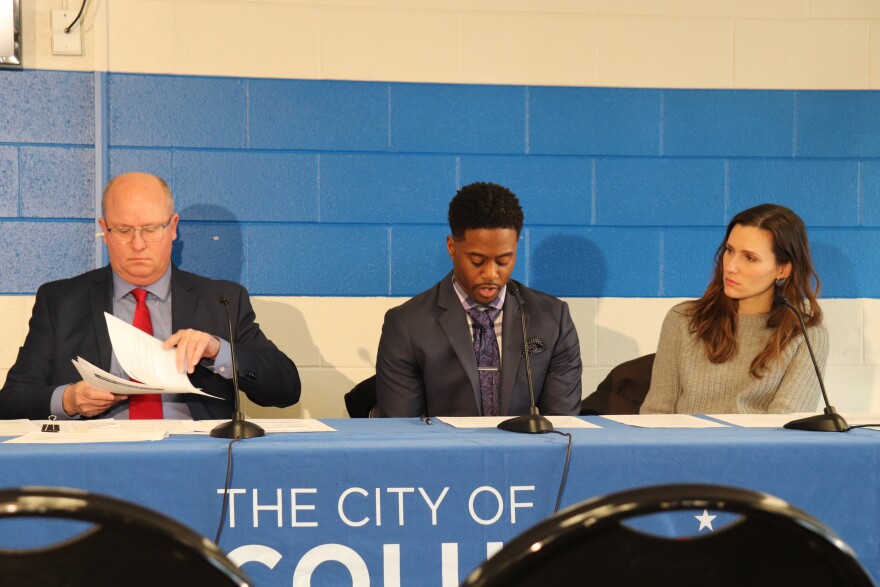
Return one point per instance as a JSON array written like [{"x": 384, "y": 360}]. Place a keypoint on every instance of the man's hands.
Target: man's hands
[
  {"x": 81, "y": 399},
  {"x": 192, "y": 347}
]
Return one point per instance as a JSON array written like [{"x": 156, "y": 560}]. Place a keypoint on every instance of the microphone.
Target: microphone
[
  {"x": 238, "y": 427},
  {"x": 533, "y": 422},
  {"x": 830, "y": 420}
]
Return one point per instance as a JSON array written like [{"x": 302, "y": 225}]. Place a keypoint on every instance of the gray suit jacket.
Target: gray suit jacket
[{"x": 426, "y": 363}]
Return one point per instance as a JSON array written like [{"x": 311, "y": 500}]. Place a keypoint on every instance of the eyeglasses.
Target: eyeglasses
[{"x": 151, "y": 233}]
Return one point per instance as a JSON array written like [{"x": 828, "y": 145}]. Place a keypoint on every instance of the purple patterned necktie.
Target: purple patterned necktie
[{"x": 488, "y": 358}]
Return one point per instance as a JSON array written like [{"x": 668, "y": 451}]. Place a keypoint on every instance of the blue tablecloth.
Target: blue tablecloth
[{"x": 388, "y": 499}]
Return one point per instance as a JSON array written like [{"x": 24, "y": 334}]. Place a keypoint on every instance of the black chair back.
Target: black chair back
[
  {"x": 622, "y": 391},
  {"x": 360, "y": 401},
  {"x": 771, "y": 543},
  {"x": 128, "y": 545}
]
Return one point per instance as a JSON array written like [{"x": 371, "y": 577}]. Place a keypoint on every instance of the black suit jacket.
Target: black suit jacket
[
  {"x": 426, "y": 362},
  {"x": 68, "y": 321}
]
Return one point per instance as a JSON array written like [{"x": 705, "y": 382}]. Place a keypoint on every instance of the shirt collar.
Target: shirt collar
[
  {"x": 159, "y": 288},
  {"x": 468, "y": 302}
]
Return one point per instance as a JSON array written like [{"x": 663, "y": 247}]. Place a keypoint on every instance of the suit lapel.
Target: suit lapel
[
  {"x": 511, "y": 354},
  {"x": 183, "y": 301},
  {"x": 100, "y": 301},
  {"x": 454, "y": 324}
]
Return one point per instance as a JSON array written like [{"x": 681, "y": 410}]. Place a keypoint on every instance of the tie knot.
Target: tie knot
[
  {"x": 140, "y": 295},
  {"x": 483, "y": 317}
]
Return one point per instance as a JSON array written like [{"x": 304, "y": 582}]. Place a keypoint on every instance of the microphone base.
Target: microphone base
[
  {"x": 830, "y": 421},
  {"x": 238, "y": 428},
  {"x": 528, "y": 424}
]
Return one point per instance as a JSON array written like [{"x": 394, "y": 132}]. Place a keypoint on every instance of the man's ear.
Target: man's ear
[
  {"x": 174, "y": 220},
  {"x": 450, "y": 246}
]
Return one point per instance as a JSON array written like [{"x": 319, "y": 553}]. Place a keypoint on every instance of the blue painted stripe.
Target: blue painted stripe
[
  {"x": 594, "y": 121},
  {"x": 42, "y": 252},
  {"x": 302, "y": 187},
  {"x": 439, "y": 118},
  {"x": 395, "y": 189},
  {"x": 176, "y": 111},
  {"x": 735, "y": 123},
  {"x": 324, "y": 115},
  {"x": 53, "y": 107},
  {"x": 659, "y": 192}
]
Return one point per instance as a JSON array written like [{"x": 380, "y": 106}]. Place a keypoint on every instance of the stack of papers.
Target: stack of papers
[
  {"x": 665, "y": 421},
  {"x": 493, "y": 421},
  {"x": 143, "y": 358},
  {"x": 109, "y": 430}
]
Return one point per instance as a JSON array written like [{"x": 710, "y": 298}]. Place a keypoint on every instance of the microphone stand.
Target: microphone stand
[
  {"x": 237, "y": 428},
  {"x": 829, "y": 420},
  {"x": 533, "y": 422}
]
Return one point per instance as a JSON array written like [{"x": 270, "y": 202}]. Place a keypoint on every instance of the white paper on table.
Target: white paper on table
[
  {"x": 135, "y": 426},
  {"x": 18, "y": 427},
  {"x": 664, "y": 421},
  {"x": 270, "y": 425},
  {"x": 83, "y": 436},
  {"x": 861, "y": 419},
  {"x": 780, "y": 420},
  {"x": 761, "y": 420},
  {"x": 493, "y": 421}
]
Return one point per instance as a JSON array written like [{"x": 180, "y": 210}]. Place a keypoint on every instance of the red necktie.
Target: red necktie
[{"x": 143, "y": 407}]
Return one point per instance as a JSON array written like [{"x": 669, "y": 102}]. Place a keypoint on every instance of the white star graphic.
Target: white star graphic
[{"x": 705, "y": 521}]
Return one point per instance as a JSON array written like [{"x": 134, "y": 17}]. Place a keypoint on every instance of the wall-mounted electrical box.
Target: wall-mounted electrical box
[{"x": 66, "y": 42}]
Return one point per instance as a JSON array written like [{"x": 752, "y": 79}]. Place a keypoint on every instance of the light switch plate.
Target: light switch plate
[{"x": 65, "y": 43}]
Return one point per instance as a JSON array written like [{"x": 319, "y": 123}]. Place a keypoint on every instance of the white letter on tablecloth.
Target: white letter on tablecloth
[
  {"x": 302, "y": 575},
  {"x": 498, "y": 497},
  {"x": 258, "y": 507},
  {"x": 400, "y": 491},
  {"x": 433, "y": 505},
  {"x": 449, "y": 564},
  {"x": 515, "y": 504},
  {"x": 341, "y": 502},
  {"x": 378, "y": 497},
  {"x": 294, "y": 507},
  {"x": 255, "y": 553},
  {"x": 391, "y": 560},
  {"x": 232, "y": 493}
]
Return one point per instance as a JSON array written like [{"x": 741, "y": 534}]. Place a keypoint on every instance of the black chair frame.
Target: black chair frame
[
  {"x": 127, "y": 545},
  {"x": 771, "y": 543}
]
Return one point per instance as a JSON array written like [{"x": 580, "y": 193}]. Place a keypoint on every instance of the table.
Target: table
[{"x": 401, "y": 503}]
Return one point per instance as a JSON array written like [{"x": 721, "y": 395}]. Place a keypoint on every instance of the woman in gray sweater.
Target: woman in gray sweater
[{"x": 736, "y": 350}]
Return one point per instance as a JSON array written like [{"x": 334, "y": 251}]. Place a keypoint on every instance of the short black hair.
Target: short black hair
[{"x": 484, "y": 205}]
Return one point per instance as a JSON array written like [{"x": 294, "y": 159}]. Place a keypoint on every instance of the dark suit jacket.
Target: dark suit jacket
[
  {"x": 68, "y": 321},
  {"x": 426, "y": 363}
]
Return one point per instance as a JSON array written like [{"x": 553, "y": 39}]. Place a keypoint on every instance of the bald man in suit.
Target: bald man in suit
[{"x": 139, "y": 226}]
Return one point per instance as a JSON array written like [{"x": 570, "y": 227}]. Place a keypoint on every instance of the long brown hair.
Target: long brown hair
[{"x": 713, "y": 316}]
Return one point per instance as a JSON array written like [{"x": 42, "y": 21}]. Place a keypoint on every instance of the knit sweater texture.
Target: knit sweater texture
[{"x": 684, "y": 381}]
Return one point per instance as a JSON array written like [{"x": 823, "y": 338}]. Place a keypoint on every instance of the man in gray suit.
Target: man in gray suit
[{"x": 457, "y": 348}]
